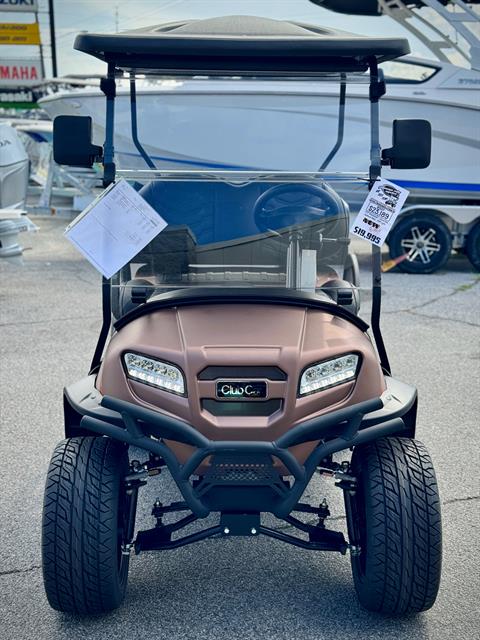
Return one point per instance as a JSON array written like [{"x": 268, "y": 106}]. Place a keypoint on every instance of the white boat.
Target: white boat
[{"x": 246, "y": 116}]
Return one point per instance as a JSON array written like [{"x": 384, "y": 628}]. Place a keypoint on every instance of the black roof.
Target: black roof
[{"x": 239, "y": 45}]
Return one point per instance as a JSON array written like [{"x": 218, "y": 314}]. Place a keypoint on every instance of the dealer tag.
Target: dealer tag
[{"x": 379, "y": 211}]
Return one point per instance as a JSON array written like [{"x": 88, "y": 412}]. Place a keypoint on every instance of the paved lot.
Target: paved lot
[{"x": 49, "y": 318}]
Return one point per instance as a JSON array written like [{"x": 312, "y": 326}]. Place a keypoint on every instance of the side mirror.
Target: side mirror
[
  {"x": 412, "y": 145},
  {"x": 72, "y": 141}
]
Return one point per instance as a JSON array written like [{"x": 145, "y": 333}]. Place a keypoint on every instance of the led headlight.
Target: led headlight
[
  {"x": 154, "y": 372},
  {"x": 328, "y": 374}
]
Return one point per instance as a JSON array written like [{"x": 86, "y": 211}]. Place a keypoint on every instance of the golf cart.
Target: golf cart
[{"x": 231, "y": 352}]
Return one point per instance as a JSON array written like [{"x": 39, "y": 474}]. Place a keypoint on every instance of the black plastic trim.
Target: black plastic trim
[
  {"x": 202, "y": 296},
  {"x": 106, "y": 323},
  {"x": 135, "y": 419},
  {"x": 336, "y": 431},
  {"x": 237, "y": 408},
  {"x": 214, "y": 373}
]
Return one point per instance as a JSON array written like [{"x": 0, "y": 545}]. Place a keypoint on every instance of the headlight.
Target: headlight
[
  {"x": 154, "y": 372},
  {"x": 328, "y": 374}
]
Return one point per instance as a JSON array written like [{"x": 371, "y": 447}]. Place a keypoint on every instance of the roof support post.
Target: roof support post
[
  {"x": 377, "y": 89},
  {"x": 341, "y": 124},
  {"x": 107, "y": 85},
  {"x": 133, "y": 120}
]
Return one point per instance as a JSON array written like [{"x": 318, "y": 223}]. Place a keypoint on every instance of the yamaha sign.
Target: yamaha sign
[{"x": 20, "y": 73}]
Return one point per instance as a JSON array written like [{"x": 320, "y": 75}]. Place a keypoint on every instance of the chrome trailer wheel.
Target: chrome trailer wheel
[{"x": 424, "y": 239}]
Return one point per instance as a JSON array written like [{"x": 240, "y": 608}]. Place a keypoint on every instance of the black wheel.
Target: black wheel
[
  {"x": 424, "y": 238},
  {"x": 84, "y": 520},
  {"x": 394, "y": 518},
  {"x": 472, "y": 247}
]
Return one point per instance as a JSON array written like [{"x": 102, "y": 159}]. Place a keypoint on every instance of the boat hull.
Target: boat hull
[{"x": 201, "y": 125}]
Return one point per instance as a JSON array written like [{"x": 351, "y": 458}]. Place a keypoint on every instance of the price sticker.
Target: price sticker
[{"x": 379, "y": 211}]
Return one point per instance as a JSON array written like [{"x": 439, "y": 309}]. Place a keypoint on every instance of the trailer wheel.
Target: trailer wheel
[
  {"x": 472, "y": 247},
  {"x": 394, "y": 517},
  {"x": 84, "y": 519},
  {"x": 426, "y": 240}
]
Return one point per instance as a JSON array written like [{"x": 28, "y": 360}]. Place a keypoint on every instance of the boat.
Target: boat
[{"x": 246, "y": 116}]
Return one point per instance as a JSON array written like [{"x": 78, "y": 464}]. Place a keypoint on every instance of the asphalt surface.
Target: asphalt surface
[{"x": 238, "y": 588}]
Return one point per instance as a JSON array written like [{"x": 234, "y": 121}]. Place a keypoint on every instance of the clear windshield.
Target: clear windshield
[
  {"x": 244, "y": 124},
  {"x": 237, "y": 229}
]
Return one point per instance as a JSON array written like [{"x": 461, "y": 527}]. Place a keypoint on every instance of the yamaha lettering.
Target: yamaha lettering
[
  {"x": 241, "y": 390},
  {"x": 18, "y": 73}
]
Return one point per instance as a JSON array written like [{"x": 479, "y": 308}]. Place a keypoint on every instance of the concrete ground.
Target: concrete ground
[{"x": 245, "y": 588}]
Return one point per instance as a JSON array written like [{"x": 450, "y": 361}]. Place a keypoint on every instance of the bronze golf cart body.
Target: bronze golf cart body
[{"x": 237, "y": 358}]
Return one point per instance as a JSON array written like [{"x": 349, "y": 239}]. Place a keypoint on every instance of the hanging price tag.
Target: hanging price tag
[{"x": 379, "y": 211}]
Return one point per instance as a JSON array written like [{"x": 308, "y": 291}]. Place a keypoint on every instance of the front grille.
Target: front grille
[
  {"x": 238, "y": 408},
  {"x": 240, "y": 482},
  {"x": 240, "y": 473},
  {"x": 241, "y": 469},
  {"x": 269, "y": 373}
]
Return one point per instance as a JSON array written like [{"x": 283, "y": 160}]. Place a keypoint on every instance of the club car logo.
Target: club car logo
[{"x": 241, "y": 390}]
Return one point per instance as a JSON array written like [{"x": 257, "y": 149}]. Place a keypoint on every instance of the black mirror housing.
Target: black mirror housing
[
  {"x": 411, "y": 145},
  {"x": 72, "y": 141}
]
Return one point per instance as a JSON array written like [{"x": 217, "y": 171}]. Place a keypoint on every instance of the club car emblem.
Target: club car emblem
[{"x": 241, "y": 390}]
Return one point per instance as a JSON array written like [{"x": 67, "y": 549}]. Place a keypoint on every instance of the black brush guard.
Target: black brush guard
[{"x": 242, "y": 475}]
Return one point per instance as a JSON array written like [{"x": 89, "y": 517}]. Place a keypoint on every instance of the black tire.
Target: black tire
[
  {"x": 84, "y": 571},
  {"x": 395, "y": 519},
  {"x": 413, "y": 227},
  {"x": 472, "y": 248}
]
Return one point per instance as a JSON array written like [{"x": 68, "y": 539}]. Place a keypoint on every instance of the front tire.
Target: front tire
[
  {"x": 395, "y": 520},
  {"x": 83, "y": 524}
]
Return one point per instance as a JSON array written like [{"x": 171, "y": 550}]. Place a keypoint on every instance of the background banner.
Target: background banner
[
  {"x": 20, "y": 72},
  {"x": 19, "y": 5},
  {"x": 19, "y": 33}
]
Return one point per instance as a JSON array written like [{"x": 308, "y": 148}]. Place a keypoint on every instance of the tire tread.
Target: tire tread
[
  {"x": 403, "y": 527},
  {"x": 79, "y": 527}
]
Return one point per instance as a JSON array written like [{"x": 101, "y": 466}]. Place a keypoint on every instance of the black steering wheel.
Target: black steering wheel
[{"x": 286, "y": 215}]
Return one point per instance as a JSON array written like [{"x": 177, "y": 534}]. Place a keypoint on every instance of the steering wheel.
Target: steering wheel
[{"x": 285, "y": 215}]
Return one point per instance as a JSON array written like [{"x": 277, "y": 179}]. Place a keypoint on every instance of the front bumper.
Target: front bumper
[{"x": 242, "y": 475}]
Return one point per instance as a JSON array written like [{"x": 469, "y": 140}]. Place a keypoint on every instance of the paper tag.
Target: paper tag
[
  {"x": 114, "y": 228},
  {"x": 379, "y": 211}
]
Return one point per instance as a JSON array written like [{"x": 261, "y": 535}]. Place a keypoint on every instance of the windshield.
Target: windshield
[
  {"x": 245, "y": 124},
  {"x": 232, "y": 229}
]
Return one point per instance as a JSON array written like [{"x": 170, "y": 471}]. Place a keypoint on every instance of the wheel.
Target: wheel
[
  {"x": 394, "y": 517},
  {"x": 472, "y": 248},
  {"x": 425, "y": 238},
  {"x": 84, "y": 519}
]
